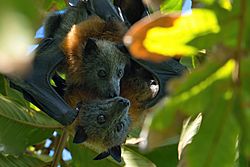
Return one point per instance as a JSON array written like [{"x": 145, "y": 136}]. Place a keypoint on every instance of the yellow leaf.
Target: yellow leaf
[
  {"x": 172, "y": 41},
  {"x": 226, "y": 4}
]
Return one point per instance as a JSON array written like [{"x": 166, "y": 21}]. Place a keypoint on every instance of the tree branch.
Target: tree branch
[
  {"x": 236, "y": 80},
  {"x": 239, "y": 47},
  {"x": 60, "y": 147}
]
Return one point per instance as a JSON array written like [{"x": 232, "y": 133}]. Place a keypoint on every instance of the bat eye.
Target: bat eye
[
  {"x": 101, "y": 119},
  {"x": 120, "y": 73},
  {"x": 119, "y": 126},
  {"x": 102, "y": 73}
]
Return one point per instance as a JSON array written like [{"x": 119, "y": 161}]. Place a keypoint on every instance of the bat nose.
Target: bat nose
[{"x": 124, "y": 102}]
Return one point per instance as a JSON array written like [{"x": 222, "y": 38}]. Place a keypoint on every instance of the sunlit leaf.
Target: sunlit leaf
[
  {"x": 226, "y": 36},
  {"x": 171, "y": 41},
  {"x": 215, "y": 143},
  {"x": 190, "y": 97},
  {"x": 226, "y": 4},
  {"x": 135, "y": 159},
  {"x": 189, "y": 130},
  {"x": 136, "y": 34},
  {"x": 21, "y": 127},
  {"x": 222, "y": 72},
  {"x": 171, "y": 5},
  {"x": 168, "y": 35},
  {"x": 20, "y": 161}
]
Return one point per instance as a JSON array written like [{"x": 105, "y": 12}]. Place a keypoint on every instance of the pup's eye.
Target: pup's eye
[
  {"x": 101, "y": 119},
  {"x": 120, "y": 73},
  {"x": 102, "y": 73},
  {"x": 119, "y": 126}
]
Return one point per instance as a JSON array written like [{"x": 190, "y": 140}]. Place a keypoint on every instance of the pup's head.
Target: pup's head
[
  {"x": 104, "y": 123},
  {"x": 104, "y": 66},
  {"x": 94, "y": 60}
]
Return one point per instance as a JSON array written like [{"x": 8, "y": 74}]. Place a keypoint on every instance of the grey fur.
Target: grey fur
[
  {"x": 105, "y": 56},
  {"x": 109, "y": 133},
  {"x": 58, "y": 25}
]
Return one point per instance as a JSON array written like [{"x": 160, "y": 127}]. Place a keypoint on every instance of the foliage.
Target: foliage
[
  {"x": 171, "y": 5},
  {"x": 214, "y": 95},
  {"x": 184, "y": 29},
  {"x": 216, "y": 87},
  {"x": 23, "y": 160}
]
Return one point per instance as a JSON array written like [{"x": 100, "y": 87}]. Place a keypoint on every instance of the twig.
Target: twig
[
  {"x": 239, "y": 49},
  {"x": 60, "y": 147},
  {"x": 236, "y": 79}
]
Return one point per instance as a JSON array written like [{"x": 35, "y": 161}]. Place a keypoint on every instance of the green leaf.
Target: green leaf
[
  {"x": 135, "y": 159},
  {"x": 226, "y": 36},
  {"x": 172, "y": 41},
  {"x": 21, "y": 127},
  {"x": 247, "y": 27},
  {"x": 209, "y": 2},
  {"x": 215, "y": 143},
  {"x": 47, "y": 5},
  {"x": 192, "y": 61},
  {"x": 83, "y": 156},
  {"x": 16, "y": 96},
  {"x": 226, "y": 4},
  {"x": 202, "y": 76},
  {"x": 191, "y": 94},
  {"x": 20, "y": 161},
  {"x": 23, "y": 8},
  {"x": 2, "y": 85},
  {"x": 171, "y": 5},
  {"x": 189, "y": 97},
  {"x": 195, "y": 99},
  {"x": 162, "y": 156},
  {"x": 244, "y": 118}
]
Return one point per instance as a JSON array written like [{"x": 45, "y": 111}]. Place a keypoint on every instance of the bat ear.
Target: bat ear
[
  {"x": 90, "y": 47},
  {"x": 115, "y": 153},
  {"x": 80, "y": 135},
  {"x": 102, "y": 155}
]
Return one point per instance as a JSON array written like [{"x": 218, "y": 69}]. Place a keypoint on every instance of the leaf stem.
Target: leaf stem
[
  {"x": 240, "y": 115},
  {"x": 239, "y": 47},
  {"x": 59, "y": 147}
]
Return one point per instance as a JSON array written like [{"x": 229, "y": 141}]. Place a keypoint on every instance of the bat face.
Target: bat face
[
  {"x": 104, "y": 123},
  {"x": 103, "y": 68}
]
